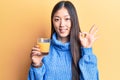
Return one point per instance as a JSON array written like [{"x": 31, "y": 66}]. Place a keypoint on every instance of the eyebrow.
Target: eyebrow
[
  {"x": 64, "y": 16},
  {"x": 56, "y": 16}
]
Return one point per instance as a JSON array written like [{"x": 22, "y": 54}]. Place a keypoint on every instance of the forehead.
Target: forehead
[{"x": 62, "y": 12}]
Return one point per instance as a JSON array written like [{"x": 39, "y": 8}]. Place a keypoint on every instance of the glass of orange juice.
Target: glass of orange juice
[{"x": 44, "y": 45}]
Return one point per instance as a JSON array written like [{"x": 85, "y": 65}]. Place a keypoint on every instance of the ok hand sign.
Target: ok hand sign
[{"x": 87, "y": 39}]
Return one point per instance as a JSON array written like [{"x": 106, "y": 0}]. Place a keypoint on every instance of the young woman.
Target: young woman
[{"x": 70, "y": 56}]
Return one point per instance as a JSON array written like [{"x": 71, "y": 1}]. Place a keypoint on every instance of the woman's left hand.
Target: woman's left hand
[{"x": 87, "y": 39}]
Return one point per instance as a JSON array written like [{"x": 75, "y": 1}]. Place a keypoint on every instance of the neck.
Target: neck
[{"x": 63, "y": 39}]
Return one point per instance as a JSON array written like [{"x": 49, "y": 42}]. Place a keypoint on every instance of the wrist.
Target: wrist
[{"x": 37, "y": 65}]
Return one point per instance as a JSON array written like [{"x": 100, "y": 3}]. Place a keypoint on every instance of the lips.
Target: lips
[{"x": 62, "y": 30}]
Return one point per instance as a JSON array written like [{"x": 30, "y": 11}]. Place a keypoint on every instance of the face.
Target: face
[{"x": 62, "y": 23}]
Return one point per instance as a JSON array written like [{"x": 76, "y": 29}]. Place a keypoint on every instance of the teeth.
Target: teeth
[{"x": 62, "y": 30}]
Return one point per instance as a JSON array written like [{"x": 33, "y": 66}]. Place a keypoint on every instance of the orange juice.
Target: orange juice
[{"x": 44, "y": 47}]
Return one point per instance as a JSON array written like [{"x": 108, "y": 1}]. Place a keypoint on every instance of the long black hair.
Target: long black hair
[{"x": 74, "y": 40}]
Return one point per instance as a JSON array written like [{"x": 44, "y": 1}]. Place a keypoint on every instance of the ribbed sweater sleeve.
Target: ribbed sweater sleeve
[
  {"x": 88, "y": 65},
  {"x": 36, "y": 73}
]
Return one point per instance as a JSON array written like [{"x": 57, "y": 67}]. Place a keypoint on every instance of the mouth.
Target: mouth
[{"x": 62, "y": 30}]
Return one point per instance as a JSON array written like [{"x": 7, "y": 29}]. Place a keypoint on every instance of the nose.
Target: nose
[{"x": 62, "y": 23}]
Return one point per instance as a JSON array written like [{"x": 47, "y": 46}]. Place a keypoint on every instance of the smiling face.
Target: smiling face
[{"x": 62, "y": 24}]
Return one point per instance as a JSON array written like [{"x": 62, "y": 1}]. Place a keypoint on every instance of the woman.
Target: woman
[{"x": 70, "y": 56}]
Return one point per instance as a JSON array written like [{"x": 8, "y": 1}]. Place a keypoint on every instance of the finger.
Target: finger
[
  {"x": 35, "y": 49},
  {"x": 93, "y": 29},
  {"x": 36, "y": 46},
  {"x": 83, "y": 35},
  {"x": 97, "y": 37},
  {"x": 36, "y": 53}
]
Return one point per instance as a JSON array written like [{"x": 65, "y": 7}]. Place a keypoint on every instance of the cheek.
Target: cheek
[
  {"x": 69, "y": 24},
  {"x": 69, "y": 30},
  {"x": 56, "y": 25}
]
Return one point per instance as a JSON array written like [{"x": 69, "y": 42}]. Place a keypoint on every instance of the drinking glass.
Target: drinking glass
[{"x": 44, "y": 45}]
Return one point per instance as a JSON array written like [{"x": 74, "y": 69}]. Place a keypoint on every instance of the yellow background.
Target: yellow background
[{"x": 23, "y": 21}]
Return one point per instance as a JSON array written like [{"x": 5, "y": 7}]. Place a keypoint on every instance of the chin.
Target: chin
[{"x": 64, "y": 35}]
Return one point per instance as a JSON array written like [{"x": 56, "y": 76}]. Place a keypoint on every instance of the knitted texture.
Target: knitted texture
[{"x": 57, "y": 64}]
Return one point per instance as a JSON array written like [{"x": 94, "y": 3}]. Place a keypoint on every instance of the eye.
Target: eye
[
  {"x": 67, "y": 19},
  {"x": 56, "y": 19}
]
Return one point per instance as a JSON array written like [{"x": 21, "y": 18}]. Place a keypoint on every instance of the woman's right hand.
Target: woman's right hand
[{"x": 36, "y": 56}]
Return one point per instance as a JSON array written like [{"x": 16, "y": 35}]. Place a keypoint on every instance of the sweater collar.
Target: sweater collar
[{"x": 58, "y": 44}]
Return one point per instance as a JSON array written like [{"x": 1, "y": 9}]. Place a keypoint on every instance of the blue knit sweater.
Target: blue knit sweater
[{"x": 57, "y": 64}]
